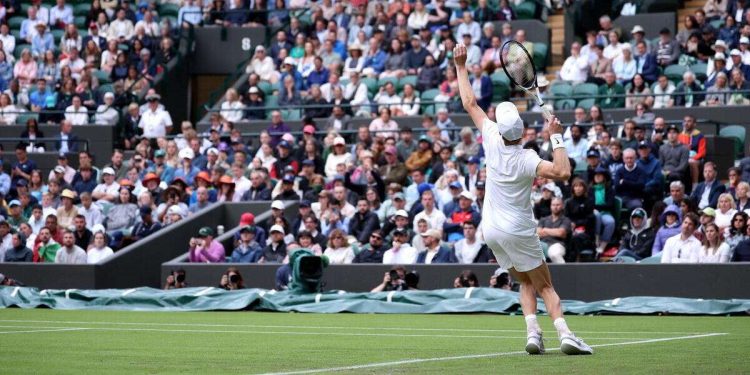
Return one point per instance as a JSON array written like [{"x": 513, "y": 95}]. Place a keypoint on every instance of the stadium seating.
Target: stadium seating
[{"x": 738, "y": 133}]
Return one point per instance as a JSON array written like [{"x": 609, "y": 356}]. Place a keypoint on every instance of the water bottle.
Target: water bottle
[{"x": 219, "y": 230}]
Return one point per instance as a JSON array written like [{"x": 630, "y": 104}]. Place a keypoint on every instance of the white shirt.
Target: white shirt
[
  {"x": 232, "y": 111},
  {"x": 155, "y": 123},
  {"x": 78, "y": 116},
  {"x": 343, "y": 255},
  {"x": 724, "y": 220},
  {"x": 404, "y": 255},
  {"x": 95, "y": 255},
  {"x": 435, "y": 219},
  {"x": 65, "y": 14},
  {"x": 150, "y": 28},
  {"x": 575, "y": 69},
  {"x": 720, "y": 255},
  {"x": 612, "y": 51},
  {"x": 678, "y": 251},
  {"x": 106, "y": 115},
  {"x": 510, "y": 173},
  {"x": 333, "y": 160},
  {"x": 119, "y": 29},
  {"x": 74, "y": 255},
  {"x": 93, "y": 215},
  {"x": 9, "y": 44},
  {"x": 465, "y": 252},
  {"x": 431, "y": 254},
  {"x": 112, "y": 189}
]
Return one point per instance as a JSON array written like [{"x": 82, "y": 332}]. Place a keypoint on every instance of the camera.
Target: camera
[
  {"x": 233, "y": 278},
  {"x": 179, "y": 276},
  {"x": 394, "y": 275}
]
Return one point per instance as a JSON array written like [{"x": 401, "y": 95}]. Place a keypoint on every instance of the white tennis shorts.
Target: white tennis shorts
[{"x": 521, "y": 252}]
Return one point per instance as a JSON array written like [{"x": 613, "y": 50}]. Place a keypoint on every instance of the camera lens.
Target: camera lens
[{"x": 234, "y": 278}]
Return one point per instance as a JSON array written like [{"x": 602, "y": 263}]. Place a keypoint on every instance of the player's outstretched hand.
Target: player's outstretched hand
[
  {"x": 459, "y": 54},
  {"x": 553, "y": 125}
]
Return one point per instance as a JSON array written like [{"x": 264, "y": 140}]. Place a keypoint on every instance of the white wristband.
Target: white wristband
[{"x": 557, "y": 141}]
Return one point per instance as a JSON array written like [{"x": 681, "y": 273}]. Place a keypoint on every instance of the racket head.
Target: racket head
[{"x": 518, "y": 65}]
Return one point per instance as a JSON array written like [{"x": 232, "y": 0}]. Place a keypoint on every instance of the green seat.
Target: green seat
[
  {"x": 272, "y": 101},
  {"x": 172, "y": 20},
  {"x": 565, "y": 104},
  {"x": 371, "y": 83},
  {"x": 540, "y": 55},
  {"x": 561, "y": 89},
  {"x": 428, "y": 97},
  {"x": 500, "y": 76},
  {"x": 583, "y": 90},
  {"x": 624, "y": 259},
  {"x": 266, "y": 87},
  {"x": 80, "y": 22},
  {"x": 25, "y": 116},
  {"x": 500, "y": 91},
  {"x": 123, "y": 47},
  {"x": 526, "y": 10},
  {"x": 738, "y": 133},
  {"x": 618, "y": 214},
  {"x": 652, "y": 259},
  {"x": 586, "y": 103},
  {"x": 25, "y": 8},
  {"x": 57, "y": 34},
  {"x": 19, "y": 49},
  {"x": 700, "y": 70},
  {"x": 105, "y": 88},
  {"x": 14, "y": 23},
  {"x": 291, "y": 114},
  {"x": 717, "y": 24},
  {"x": 383, "y": 81},
  {"x": 674, "y": 72},
  {"x": 411, "y": 80},
  {"x": 81, "y": 9},
  {"x": 167, "y": 9},
  {"x": 16, "y": 34}
]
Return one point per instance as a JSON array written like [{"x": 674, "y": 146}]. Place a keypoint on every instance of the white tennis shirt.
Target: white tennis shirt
[{"x": 510, "y": 173}]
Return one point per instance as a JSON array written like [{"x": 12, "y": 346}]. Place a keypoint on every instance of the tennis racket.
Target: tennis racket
[{"x": 519, "y": 67}]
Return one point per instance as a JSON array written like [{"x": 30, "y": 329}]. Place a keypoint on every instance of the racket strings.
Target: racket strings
[{"x": 518, "y": 66}]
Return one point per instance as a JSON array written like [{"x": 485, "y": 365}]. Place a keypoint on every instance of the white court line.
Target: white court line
[
  {"x": 295, "y": 333},
  {"x": 474, "y": 356},
  {"x": 332, "y": 327},
  {"x": 43, "y": 330}
]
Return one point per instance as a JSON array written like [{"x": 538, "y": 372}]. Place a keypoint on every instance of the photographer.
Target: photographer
[
  {"x": 399, "y": 280},
  {"x": 467, "y": 279},
  {"x": 501, "y": 279},
  {"x": 232, "y": 280},
  {"x": 204, "y": 249},
  {"x": 176, "y": 280}
]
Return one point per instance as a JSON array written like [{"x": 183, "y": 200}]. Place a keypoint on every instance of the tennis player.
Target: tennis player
[{"x": 508, "y": 223}]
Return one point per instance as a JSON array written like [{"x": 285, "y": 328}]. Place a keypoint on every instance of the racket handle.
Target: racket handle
[{"x": 545, "y": 112}]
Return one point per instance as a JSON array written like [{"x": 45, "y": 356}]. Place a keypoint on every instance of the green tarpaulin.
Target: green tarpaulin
[{"x": 471, "y": 300}]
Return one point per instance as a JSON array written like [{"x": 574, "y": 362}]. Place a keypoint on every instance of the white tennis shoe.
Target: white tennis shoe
[
  {"x": 534, "y": 344},
  {"x": 571, "y": 345}
]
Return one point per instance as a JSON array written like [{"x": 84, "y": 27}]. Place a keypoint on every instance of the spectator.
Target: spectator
[
  {"x": 384, "y": 126},
  {"x": 337, "y": 157},
  {"x": 725, "y": 211},
  {"x": 91, "y": 213},
  {"x": 248, "y": 250},
  {"x": 462, "y": 213},
  {"x": 422, "y": 156},
  {"x": 373, "y": 251},
  {"x": 737, "y": 232},
  {"x": 204, "y": 249},
  {"x": 276, "y": 250},
  {"x": 155, "y": 122},
  {"x": 667, "y": 50},
  {"x": 107, "y": 114},
  {"x": 652, "y": 169},
  {"x": 429, "y": 75},
  {"x": 555, "y": 231},
  {"x": 42, "y": 40},
  {"x": 434, "y": 252},
  {"x": 630, "y": 181},
  {"x": 232, "y": 108},
  {"x": 577, "y": 146},
  {"x": 401, "y": 252},
  {"x": 674, "y": 156},
  {"x": 575, "y": 67},
  {"x": 683, "y": 95},
  {"x": 364, "y": 222},
  {"x": 25, "y": 70},
  {"x": 599, "y": 66},
  {"x": 8, "y": 111},
  {"x": 338, "y": 250},
  {"x": 70, "y": 253},
  {"x": 18, "y": 252},
  {"x": 99, "y": 249},
  {"x": 671, "y": 227},
  {"x": 683, "y": 247},
  {"x": 639, "y": 93},
  {"x": 46, "y": 247},
  {"x": 639, "y": 240},
  {"x": 147, "y": 226},
  {"x": 120, "y": 29},
  {"x": 471, "y": 249},
  {"x": 67, "y": 211},
  {"x": 612, "y": 94},
  {"x": 706, "y": 193}
]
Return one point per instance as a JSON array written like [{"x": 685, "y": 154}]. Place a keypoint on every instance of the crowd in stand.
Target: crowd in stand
[
  {"x": 387, "y": 195},
  {"x": 90, "y": 72}
]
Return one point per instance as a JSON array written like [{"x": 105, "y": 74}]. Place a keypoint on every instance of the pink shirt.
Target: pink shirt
[
  {"x": 25, "y": 72},
  {"x": 214, "y": 254}
]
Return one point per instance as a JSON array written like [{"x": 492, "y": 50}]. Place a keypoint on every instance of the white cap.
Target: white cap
[
  {"x": 720, "y": 43},
  {"x": 174, "y": 210},
  {"x": 744, "y": 40},
  {"x": 98, "y": 228},
  {"x": 542, "y": 81},
  {"x": 549, "y": 186},
  {"x": 402, "y": 213},
  {"x": 735, "y": 52},
  {"x": 186, "y": 153},
  {"x": 339, "y": 141},
  {"x": 279, "y": 205},
  {"x": 59, "y": 169},
  {"x": 509, "y": 121},
  {"x": 719, "y": 56},
  {"x": 277, "y": 228},
  {"x": 467, "y": 194},
  {"x": 289, "y": 60},
  {"x": 212, "y": 150},
  {"x": 108, "y": 170},
  {"x": 637, "y": 29}
]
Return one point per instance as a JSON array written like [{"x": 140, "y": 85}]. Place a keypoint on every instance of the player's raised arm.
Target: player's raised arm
[
  {"x": 464, "y": 87},
  {"x": 559, "y": 168}
]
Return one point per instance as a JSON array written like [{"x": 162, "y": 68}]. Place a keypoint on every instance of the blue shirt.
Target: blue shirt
[
  {"x": 39, "y": 98},
  {"x": 318, "y": 77},
  {"x": 189, "y": 14},
  {"x": 41, "y": 44}
]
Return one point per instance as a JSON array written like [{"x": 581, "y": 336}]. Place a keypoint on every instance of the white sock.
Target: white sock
[
  {"x": 532, "y": 326},
  {"x": 562, "y": 327}
]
